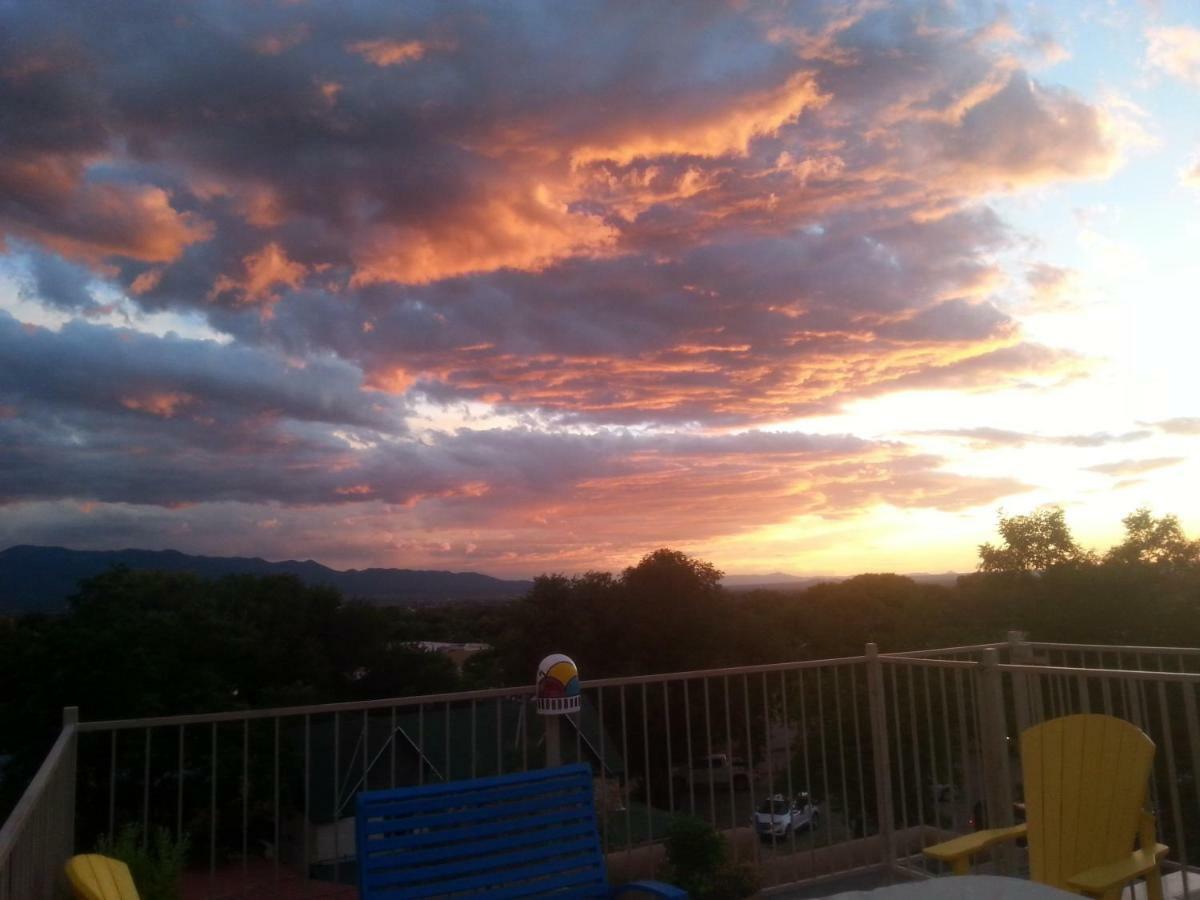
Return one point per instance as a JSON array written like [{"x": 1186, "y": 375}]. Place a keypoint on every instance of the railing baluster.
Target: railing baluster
[
  {"x": 179, "y": 788},
  {"x": 307, "y": 824},
  {"x": 393, "y": 741},
  {"x": 366, "y": 750},
  {"x": 1179, "y": 844},
  {"x": 860, "y": 832},
  {"x": 422, "y": 752},
  {"x": 625, "y": 757},
  {"x": 245, "y": 801},
  {"x": 447, "y": 772},
  {"x": 837, "y": 699},
  {"x": 670, "y": 756},
  {"x": 524, "y": 720},
  {"x": 112, "y": 786},
  {"x": 828, "y": 830},
  {"x": 646, "y": 760},
  {"x": 787, "y": 730},
  {"x": 749, "y": 748},
  {"x": 474, "y": 747},
  {"x": 808, "y": 785},
  {"x": 337, "y": 796},
  {"x": 603, "y": 771},
  {"x": 712, "y": 788},
  {"x": 275, "y": 803},
  {"x": 768, "y": 753},
  {"x": 898, "y": 743},
  {"x": 212, "y": 815},
  {"x": 578, "y": 720},
  {"x": 499, "y": 740},
  {"x": 970, "y": 788},
  {"x": 729, "y": 758},
  {"x": 933, "y": 760},
  {"x": 916, "y": 750},
  {"x": 687, "y": 721},
  {"x": 954, "y": 805},
  {"x": 146, "y": 793}
]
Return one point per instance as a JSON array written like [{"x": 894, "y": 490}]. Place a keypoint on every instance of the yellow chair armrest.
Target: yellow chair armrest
[
  {"x": 958, "y": 851},
  {"x": 1114, "y": 875}
]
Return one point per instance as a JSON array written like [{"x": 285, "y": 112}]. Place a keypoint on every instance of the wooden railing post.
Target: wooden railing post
[
  {"x": 881, "y": 750},
  {"x": 997, "y": 776}
]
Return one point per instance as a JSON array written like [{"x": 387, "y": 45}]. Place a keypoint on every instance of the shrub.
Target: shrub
[
  {"x": 698, "y": 857},
  {"x": 155, "y": 861}
]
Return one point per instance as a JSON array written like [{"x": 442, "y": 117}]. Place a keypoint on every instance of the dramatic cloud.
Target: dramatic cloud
[{"x": 628, "y": 234}]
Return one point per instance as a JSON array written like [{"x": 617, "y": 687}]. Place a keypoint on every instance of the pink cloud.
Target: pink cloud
[
  {"x": 1176, "y": 51},
  {"x": 264, "y": 271},
  {"x": 385, "y": 52}
]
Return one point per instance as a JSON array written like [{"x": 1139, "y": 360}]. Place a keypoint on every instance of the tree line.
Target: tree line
[{"x": 136, "y": 644}]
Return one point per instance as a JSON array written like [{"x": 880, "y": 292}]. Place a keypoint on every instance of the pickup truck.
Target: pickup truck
[{"x": 716, "y": 769}]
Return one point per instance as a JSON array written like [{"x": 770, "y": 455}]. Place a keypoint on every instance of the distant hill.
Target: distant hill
[
  {"x": 41, "y": 578},
  {"x": 780, "y": 581}
]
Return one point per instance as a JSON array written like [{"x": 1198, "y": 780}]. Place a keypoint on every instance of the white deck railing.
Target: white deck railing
[
  {"x": 897, "y": 751},
  {"x": 39, "y": 835}
]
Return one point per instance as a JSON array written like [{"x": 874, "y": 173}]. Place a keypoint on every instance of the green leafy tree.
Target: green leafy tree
[
  {"x": 1153, "y": 541},
  {"x": 1033, "y": 543}
]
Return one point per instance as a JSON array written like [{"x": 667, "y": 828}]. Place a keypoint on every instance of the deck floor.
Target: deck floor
[{"x": 259, "y": 879}]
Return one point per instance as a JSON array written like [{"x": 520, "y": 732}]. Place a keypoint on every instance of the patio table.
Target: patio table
[{"x": 962, "y": 887}]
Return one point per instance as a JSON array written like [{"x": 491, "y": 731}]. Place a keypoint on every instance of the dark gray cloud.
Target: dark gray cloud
[{"x": 58, "y": 283}]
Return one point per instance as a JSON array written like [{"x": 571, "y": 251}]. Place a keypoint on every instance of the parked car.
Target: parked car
[
  {"x": 716, "y": 769},
  {"x": 778, "y": 817}
]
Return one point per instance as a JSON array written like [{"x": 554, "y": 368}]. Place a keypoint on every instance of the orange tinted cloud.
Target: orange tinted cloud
[
  {"x": 263, "y": 272},
  {"x": 386, "y": 52},
  {"x": 526, "y": 229},
  {"x": 706, "y": 130},
  {"x": 165, "y": 404},
  {"x": 89, "y": 220}
]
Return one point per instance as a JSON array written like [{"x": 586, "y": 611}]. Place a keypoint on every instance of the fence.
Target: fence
[
  {"x": 812, "y": 769},
  {"x": 39, "y": 834}
]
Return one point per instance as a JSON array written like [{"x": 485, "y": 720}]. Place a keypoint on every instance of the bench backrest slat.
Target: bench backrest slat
[{"x": 527, "y": 834}]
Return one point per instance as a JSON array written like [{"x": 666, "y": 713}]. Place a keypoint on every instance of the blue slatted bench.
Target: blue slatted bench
[{"x": 529, "y": 834}]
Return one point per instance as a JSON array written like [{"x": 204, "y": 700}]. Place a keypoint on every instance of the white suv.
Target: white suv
[{"x": 778, "y": 817}]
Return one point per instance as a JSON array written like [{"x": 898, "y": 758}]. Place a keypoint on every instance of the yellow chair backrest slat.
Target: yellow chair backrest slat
[
  {"x": 96, "y": 877},
  {"x": 1085, "y": 787}
]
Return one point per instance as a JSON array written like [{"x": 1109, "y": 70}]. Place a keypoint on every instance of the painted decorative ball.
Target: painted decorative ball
[{"x": 557, "y": 686}]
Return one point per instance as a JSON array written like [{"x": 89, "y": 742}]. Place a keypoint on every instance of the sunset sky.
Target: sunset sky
[{"x": 526, "y": 287}]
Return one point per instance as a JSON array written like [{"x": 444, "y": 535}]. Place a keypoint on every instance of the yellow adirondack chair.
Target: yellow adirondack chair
[
  {"x": 96, "y": 877},
  {"x": 1085, "y": 791}
]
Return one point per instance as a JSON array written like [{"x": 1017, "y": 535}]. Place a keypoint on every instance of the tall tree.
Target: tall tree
[
  {"x": 1153, "y": 541},
  {"x": 1033, "y": 543}
]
